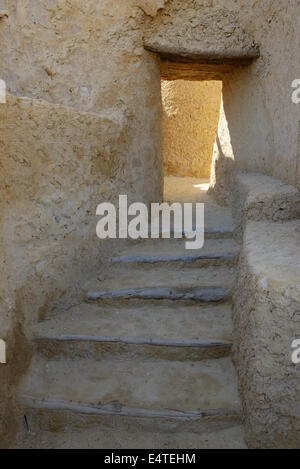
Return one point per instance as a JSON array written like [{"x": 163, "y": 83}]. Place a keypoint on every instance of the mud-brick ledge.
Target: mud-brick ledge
[{"x": 267, "y": 311}]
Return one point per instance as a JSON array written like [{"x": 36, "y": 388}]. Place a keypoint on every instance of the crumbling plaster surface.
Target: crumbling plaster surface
[
  {"x": 189, "y": 125},
  {"x": 263, "y": 121}
]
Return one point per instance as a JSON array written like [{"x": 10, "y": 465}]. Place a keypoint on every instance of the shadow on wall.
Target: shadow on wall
[
  {"x": 222, "y": 173},
  {"x": 223, "y": 160},
  {"x": 245, "y": 135}
]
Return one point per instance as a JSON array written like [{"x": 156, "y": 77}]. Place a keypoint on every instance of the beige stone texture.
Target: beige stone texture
[
  {"x": 54, "y": 161},
  {"x": 150, "y": 7},
  {"x": 90, "y": 56},
  {"x": 267, "y": 322},
  {"x": 189, "y": 126},
  {"x": 199, "y": 28},
  {"x": 266, "y": 309},
  {"x": 258, "y": 197}
]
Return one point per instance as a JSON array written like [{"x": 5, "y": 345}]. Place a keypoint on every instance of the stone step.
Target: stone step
[
  {"x": 94, "y": 437},
  {"x": 165, "y": 283},
  {"x": 99, "y": 347},
  {"x": 201, "y": 294},
  {"x": 214, "y": 232},
  {"x": 219, "y": 232},
  {"x": 159, "y": 321},
  {"x": 214, "y": 252},
  {"x": 172, "y": 396},
  {"x": 149, "y": 331}
]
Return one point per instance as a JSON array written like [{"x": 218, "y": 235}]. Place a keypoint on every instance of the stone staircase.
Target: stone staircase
[{"x": 144, "y": 361}]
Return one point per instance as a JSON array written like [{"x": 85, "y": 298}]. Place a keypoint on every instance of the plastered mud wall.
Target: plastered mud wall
[
  {"x": 266, "y": 324},
  {"x": 189, "y": 125},
  {"x": 266, "y": 309},
  {"x": 57, "y": 164},
  {"x": 259, "y": 132},
  {"x": 89, "y": 55},
  {"x": 259, "y": 116},
  {"x": 81, "y": 125}
]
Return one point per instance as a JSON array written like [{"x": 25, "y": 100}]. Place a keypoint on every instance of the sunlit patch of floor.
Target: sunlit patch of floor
[{"x": 187, "y": 189}]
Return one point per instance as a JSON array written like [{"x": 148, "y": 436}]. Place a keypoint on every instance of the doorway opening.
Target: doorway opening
[{"x": 189, "y": 126}]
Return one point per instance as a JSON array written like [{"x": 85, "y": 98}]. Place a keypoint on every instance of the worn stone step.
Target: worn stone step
[
  {"x": 165, "y": 395},
  {"x": 97, "y": 438},
  {"x": 192, "y": 322},
  {"x": 210, "y": 233},
  {"x": 99, "y": 347},
  {"x": 147, "y": 331},
  {"x": 60, "y": 416},
  {"x": 136, "y": 384},
  {"x": 119, "y": 283},
  {"x": 201, "y": 294},
  {"x": 128, "y": 276},
  {"x": 218, "y": 232},
  {"x": 214, "y": 252}
]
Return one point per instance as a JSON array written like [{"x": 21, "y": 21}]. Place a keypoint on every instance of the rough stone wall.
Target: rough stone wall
[
  {"x": 266, "y": 309},
  {"x": 56, "y": 165},
  {"x": 190, "y": 118},
  {"x": 263, "y": 122},
  {"x": 202, "y": 27},
  {"x": 267, "y": 321},
  {"x": 89, "y": 55},
  {"x": 87, "y": 130}
]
